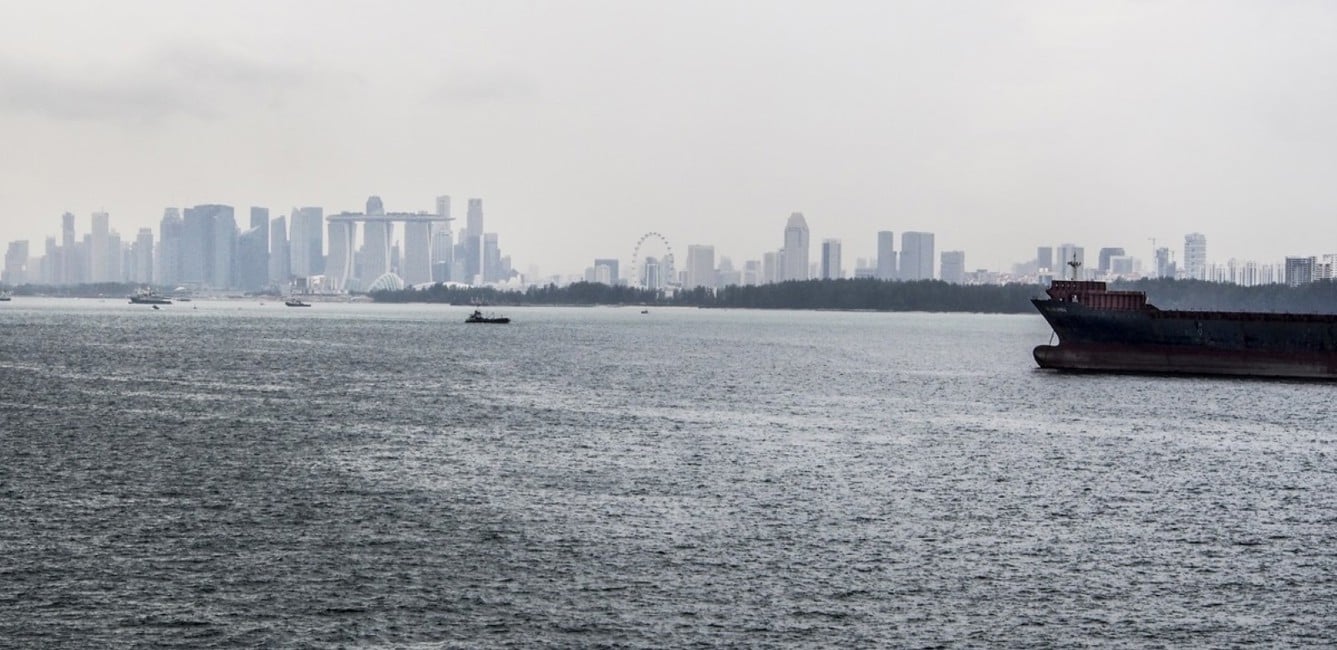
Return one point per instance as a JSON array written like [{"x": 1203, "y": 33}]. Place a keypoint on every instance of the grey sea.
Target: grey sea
[{"x": 237, "y": 474}]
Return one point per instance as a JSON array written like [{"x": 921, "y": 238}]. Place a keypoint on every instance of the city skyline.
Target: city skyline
[
  {"x": 994, "y": 126},
  {"x": 209, "y": 248}
]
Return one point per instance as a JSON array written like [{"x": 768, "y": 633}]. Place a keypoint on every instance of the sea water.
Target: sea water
[{"x": 231, "y": 473}]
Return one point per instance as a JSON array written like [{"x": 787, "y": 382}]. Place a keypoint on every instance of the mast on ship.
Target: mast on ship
[{"x": 1075, "y": 265}]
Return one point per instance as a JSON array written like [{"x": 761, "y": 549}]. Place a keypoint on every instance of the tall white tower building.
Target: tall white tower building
[
  {"x": 1195, "y": 256},
  {"x": 795, "y": 264}
]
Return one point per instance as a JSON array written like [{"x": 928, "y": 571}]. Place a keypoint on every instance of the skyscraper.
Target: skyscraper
[
  {"x": 612, "y": 268},
  {"x": 225, "y": 247},
  {"x": 751, "y": 273},
  {"x": 306, "y": 241},
  {"x": 1195, "y": 256},
  {"x": 339, "y": 268},
  {"x": 16, "y": 263},
  {"x": 953, "y": 269},
  {"x": 113, "y": 268},
  {"x": 417, "y": 264},
  {"x": 770, "y": 268},
  {"x": 1044, "y": 258},
  {"x": 170, "y": 231},
  {"x": 1121, "y": 266},
  {"x": 1165, "y": 265},
  {"x": 795, "y": 265},
  {"x": 916, "y": 256},
  {"x": 209, "y": 246},
  {"x": 1107, "y": 254},
  {"x": 652, "y": 274},
  {"x": 280, "y": 268},
  {"x": 830, "y": 269},
  {"x": 141, "y": 253},
  {"x": 1067, "y": 253},
  {"x": 253, "y": 259},
  {"x": 491, "y": 258},
  {"x": 886, "y": 255},
  {"x": 69, "y": 259},
  {"x": 700, "y": 266},
  {"x": 375, "y": 251},
  {"x": 473, "y": 240},
  {"x": 725, "y": 273},
  {"x": 100, "y": 253},
  {"x": 443, "y": 247},
  {"x": 1300, "y": 270},
  {"x": 260, "y": 219},
  {"x": 197, "y": 247},
  {"x": 443, "y": 253},
  {"x": 474, "y": 218},
  {"x": 442, "y": 210},
  {"x": 50, "y": 269}
]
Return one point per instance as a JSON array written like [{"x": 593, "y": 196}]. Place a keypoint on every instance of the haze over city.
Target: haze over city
[{"x": 999, "y": 127}]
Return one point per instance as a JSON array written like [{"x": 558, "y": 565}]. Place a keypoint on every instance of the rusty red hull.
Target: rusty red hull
[
  {"x": 1181, "y": 360},
  {"x": 1118, "y": 331}
]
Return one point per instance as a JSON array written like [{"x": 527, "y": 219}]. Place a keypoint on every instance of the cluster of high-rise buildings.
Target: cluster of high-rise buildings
[
  {"x": 1303, "y": 270},
  {"x": 792, "y": 261},
  {"x": 207, "y": 247},
  {"x": 1113, "y": 263},
  {"x": 204, "y": 247}
]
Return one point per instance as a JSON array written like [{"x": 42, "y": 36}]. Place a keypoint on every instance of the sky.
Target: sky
[{"x": 999, "y": 126}]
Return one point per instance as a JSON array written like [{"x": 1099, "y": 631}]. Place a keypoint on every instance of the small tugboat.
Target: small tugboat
[
  {"x": 478, "y": 317},
  {"x": 295, "y": 302},
  {"x": 148, "y": 297}
]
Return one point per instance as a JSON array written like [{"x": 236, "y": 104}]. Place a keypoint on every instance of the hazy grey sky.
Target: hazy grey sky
[{"x": 999, "y": 126}]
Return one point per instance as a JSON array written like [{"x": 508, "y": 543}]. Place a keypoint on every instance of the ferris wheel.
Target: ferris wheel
[{"x": 657, "y": 247}]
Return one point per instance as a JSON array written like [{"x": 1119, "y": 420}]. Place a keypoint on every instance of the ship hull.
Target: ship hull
[
  {"x": 1300, "y": 346},
  {"x": 1178, "y": 360}
]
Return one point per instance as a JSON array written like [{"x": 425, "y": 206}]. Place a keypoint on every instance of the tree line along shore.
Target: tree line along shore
[
  {"x": 853, "y": 294},
  {"x": 879, "y": 295}
]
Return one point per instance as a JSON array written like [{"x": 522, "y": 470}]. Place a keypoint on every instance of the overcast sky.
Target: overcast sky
[{"x": 999, "y": 126}]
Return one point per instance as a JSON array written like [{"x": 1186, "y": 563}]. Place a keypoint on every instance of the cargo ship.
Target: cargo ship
[{"x": 1119, "y": 331}]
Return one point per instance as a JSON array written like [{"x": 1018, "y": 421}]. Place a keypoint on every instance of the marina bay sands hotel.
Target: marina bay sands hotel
[{"x": 427, "y": 247}]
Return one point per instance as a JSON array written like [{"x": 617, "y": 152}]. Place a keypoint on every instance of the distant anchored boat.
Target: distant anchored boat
[
  {"x": 148, "y": 297},
  {"x": 478, "y": 317},
  {"x": 5, "y": 297}
]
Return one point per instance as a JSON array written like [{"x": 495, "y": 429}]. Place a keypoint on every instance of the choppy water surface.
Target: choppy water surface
[{"x": 239, "y": 475}]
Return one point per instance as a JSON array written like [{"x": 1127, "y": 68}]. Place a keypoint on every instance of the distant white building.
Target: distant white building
[
  {"x": 953, "y": 267},
  {"x": 1066, "y": 255},
  {"x": 770, "y": 267},
  {"x": 700, "y": 267},
  {"x": 795, "y": 264},
  {"x": 916, "y": 256},
  {"x": 886, "y": 255},
  {"x": 1195, "y": 256},
  {"x": 830, "y": 269},
  {"x": 752, "y": 273}
]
